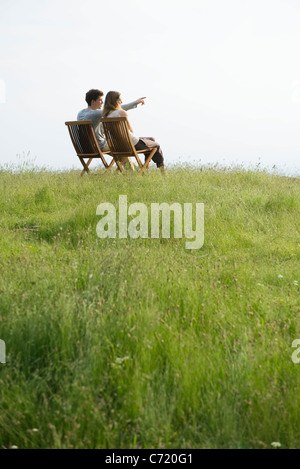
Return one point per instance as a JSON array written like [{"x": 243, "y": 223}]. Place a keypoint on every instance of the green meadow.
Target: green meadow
[{"x": 141, "y": 343}]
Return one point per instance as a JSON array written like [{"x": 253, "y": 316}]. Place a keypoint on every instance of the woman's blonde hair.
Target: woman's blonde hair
[{"x": 111, "y": 102}]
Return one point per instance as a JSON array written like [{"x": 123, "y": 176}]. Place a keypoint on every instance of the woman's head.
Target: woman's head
[{"x": 112, "y": 102}]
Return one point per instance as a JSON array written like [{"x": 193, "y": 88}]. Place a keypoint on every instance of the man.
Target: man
[{"x": 93, "y": 112}]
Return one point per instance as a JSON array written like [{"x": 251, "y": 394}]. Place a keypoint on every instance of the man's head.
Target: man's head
[{"x": 94, "y": 99}]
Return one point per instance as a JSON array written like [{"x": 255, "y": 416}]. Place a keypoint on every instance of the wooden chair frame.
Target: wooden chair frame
[
  {"x": 120, "y": 144},
  {"x": 85, "y": 144}
]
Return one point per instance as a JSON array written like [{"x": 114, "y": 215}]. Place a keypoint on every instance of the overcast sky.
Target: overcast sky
[{"x": 222, "y": 78}]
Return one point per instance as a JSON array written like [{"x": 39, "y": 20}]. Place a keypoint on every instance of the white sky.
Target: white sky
[{"x": 222, "y": 78}]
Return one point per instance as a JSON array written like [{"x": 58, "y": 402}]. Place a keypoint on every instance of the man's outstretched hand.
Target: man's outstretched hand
[{"x": 141, "y": 101}]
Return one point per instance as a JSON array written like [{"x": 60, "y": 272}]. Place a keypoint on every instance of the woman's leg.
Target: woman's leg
[{"x": 149, "y": 142}]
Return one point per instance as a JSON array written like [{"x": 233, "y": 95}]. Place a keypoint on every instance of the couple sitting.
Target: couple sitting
[{"x": 113, "y": 108}]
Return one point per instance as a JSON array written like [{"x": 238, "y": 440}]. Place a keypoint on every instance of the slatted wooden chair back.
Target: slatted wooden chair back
[
  {"x": 117, "y": 135},
  {"x": 83, "y": 137},
  {"x": 85, "y": 143},
  {"x": 120, "y": 143}
]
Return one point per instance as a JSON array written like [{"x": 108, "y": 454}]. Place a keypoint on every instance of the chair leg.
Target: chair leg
[
  {"x": 111, "y": 164},
  {"x": 138, "y": 161},
  {"x": 85, "y": 166},
  {"x": 104, "y": 161},
  {"x": 119, "y": 166},
  {"x": 122, "y": 163},
  {"x": 148, "y": 161}
]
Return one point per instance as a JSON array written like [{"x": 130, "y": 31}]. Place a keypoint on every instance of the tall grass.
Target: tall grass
[{"x": 123, "y": 343}]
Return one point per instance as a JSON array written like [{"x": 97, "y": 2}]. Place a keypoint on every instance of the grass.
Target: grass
[{"x": 140, "y": 343}]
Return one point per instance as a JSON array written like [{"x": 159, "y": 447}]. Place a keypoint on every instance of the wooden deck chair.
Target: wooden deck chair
[
  {"x": 121, "y": 145},
  {"x": 85, "y": 143}
]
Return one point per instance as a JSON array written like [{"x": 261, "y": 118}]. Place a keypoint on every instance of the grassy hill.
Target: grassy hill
[{"x": 125, "y": 343}]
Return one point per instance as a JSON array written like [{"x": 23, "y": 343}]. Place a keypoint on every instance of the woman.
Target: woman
[{"x": 112, "y": 108}]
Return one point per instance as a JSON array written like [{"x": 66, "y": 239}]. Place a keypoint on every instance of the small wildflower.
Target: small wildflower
[
  {"x": 295, "y": 282},
  {"x": 120, "y": 360},
  {"x": 14, "y": 447},
  {"x": 276, "y": 444},
  {"x": 30, "y": 247},
  {"x": 35, "y": 429},
  {"x": 280, "y": 276},
  {"x": 281, "y": 300}
]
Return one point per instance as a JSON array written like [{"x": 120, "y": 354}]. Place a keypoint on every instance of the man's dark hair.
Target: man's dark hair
[{"x": 93, "y": 95}]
